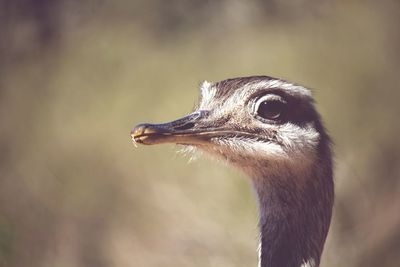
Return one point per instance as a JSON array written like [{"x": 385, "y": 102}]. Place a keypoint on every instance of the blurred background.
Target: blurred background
[{"x": 75, "y": 76}]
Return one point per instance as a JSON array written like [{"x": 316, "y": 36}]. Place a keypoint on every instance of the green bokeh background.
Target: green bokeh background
[{"x": 75, "y": 76}]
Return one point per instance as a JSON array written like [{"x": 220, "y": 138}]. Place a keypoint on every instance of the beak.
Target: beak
[{"x": 185, "y": 130}]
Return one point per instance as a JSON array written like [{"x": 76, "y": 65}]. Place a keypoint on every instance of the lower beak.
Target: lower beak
[{"x": 181, "y": 131}]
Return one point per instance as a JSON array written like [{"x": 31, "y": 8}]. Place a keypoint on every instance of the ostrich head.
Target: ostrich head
[{"x": 269, "y": 129}]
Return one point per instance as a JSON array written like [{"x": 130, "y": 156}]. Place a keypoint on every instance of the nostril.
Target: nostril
[{"x": 185, "y": 126}]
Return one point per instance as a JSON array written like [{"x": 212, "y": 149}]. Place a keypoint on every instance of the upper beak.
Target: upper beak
[{"x": 181, "y": 131}]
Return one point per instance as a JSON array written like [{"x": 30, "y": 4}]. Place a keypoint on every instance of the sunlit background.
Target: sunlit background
[{"x": 75, "y": 76}]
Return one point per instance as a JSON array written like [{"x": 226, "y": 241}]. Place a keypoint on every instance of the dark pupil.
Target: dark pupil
[{"x": 270, "y": 109}]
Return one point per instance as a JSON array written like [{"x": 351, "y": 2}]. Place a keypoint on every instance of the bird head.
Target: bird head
[{"x": 248, "y": 121}]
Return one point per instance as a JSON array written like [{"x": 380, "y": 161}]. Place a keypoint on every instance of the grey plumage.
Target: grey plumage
[{"x": 269, "y": 129}]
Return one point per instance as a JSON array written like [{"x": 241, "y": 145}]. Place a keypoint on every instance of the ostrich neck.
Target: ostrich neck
[{"x": 295, "y": 215}]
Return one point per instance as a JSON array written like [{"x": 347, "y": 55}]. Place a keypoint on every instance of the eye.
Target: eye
[{"x": 270, "y": 107}]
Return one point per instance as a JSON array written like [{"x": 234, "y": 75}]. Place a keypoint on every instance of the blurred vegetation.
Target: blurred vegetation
[{"x": 76, "y": 75}]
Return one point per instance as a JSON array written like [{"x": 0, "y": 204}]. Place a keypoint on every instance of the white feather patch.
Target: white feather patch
[
  {"x": 309, "y": 263},
  {"x": 207, "y": 95},
  {"x": 288, "y": 87}
]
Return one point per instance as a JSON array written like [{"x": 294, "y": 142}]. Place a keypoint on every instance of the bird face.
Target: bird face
[{"x": 246, "y": 120}]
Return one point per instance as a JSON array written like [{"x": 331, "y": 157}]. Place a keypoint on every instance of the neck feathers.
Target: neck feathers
[{"x": 295, "y": 213}]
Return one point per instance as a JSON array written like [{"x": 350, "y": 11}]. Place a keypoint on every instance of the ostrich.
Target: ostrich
[{"x": 269, "y": 129}]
